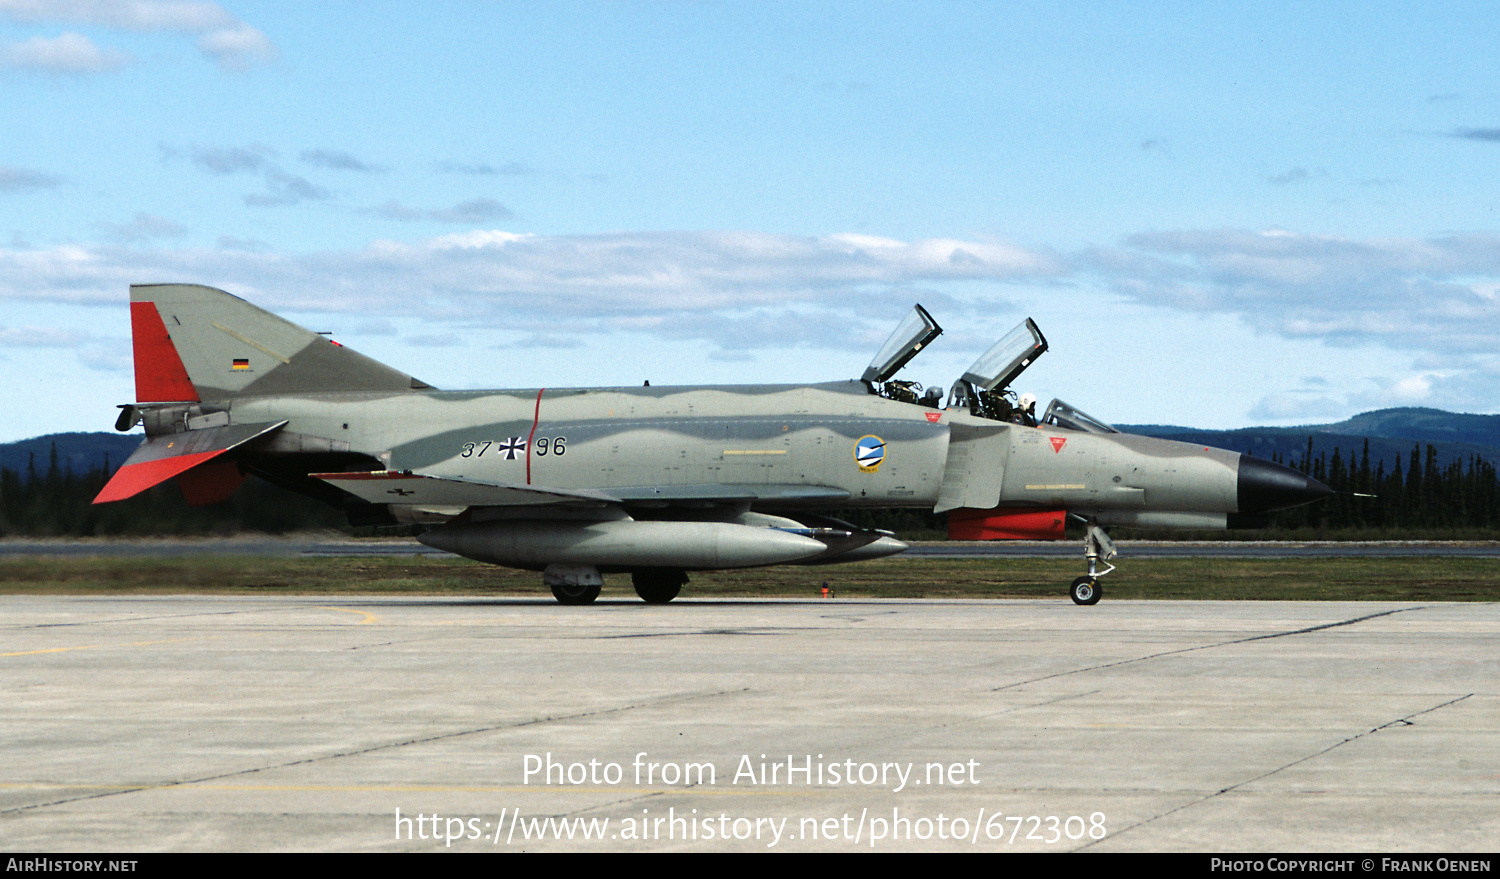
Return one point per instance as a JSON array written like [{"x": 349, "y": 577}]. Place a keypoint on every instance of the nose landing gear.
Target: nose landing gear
[{"x": 1097, "y": 549}]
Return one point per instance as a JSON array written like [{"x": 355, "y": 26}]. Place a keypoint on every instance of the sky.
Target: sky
[{"x": 1219, "y": 214}]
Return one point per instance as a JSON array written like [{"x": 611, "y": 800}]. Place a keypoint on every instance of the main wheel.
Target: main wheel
[
  {"x": 1086, "y": 590},
  {"x": 658, "y": 585},
  {"x": 575, "y": 594}
]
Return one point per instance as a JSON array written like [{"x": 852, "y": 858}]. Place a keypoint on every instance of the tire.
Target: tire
[
  {"x": 575, "y": 594},
  {"x": 1086, "y": 590},
  {"x": 658, "y": 585}
]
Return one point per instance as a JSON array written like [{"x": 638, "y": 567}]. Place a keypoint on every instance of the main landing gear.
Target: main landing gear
[
  {"x": 1097, "y": 549},
  {"x": 574, "y": 593},
  {"x": 580, "y": 584},
  {"x": 658, "y": 585},
  {"x": 573, "y": 584}
]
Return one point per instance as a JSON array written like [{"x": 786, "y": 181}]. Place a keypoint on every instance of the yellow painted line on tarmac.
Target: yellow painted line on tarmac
[{"x": 369, "y": 618}]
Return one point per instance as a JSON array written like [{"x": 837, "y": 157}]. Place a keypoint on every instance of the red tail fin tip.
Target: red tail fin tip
[{"x": 159, "y": 374}]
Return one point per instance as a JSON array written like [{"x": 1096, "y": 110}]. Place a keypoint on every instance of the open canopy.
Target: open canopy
[
  {"x": 911, "y": 335},
  {"x": 1009, "y": 357}
]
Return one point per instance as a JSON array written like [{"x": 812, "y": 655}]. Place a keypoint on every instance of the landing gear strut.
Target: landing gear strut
[{"x": 1097, "y": 549}]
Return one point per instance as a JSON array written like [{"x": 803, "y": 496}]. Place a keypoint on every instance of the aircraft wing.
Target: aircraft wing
[
  {"x": 173, "y": 454},
  {"x": 406, "y": 487},
  {"x": 416, "y": 489}
]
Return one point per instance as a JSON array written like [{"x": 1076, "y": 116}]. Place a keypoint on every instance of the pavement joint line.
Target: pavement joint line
[
  {"x": 1400, "y": 721},
  {"x": 1148, "y": 656},
  {"x": 106, "y": 646},
  {"x": 170, "y": 616},
  {"x": 665, "y": 700}
]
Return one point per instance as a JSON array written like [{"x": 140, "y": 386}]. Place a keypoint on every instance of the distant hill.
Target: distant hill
[
  {"x": 1425, "y": 425},
  {"x": 1390, "y": 432},
  {"x": 78, "y": 453}
]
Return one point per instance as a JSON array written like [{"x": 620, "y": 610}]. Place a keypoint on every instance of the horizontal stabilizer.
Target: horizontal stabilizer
[
  {"x": 405, "y": 487},
  {"x": 162, "y": 457}
]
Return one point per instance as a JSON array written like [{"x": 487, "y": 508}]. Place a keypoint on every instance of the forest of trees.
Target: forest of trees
[
  {"x": 1422, "y": 496},
  {"x": 1415, "y": 496},
  {"x": 48, "y": 500}
]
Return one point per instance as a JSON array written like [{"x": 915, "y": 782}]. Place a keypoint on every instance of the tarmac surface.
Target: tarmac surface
[{"x": 310, "y": 724}]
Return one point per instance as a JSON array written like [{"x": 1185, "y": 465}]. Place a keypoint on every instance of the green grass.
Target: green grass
[{"x": 1398, "y": 579}]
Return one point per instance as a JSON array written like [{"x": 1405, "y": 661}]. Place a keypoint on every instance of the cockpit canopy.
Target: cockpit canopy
[
  {"x": 982, "y": 390},
  {"x": 1008, "y": 358},
  {"x": 984, "y": 387},
  {"x": 911, "y": 335}
]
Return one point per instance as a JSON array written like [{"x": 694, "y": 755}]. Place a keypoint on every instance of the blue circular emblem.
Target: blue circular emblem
[{"x": 869, "y": 452}]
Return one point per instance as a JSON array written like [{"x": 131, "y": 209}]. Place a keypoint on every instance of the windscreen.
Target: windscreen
[{"x": 1065, "y": 416}]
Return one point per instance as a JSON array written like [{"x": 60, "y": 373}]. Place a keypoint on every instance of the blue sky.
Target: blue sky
[{"x": 1219, "y": 214}]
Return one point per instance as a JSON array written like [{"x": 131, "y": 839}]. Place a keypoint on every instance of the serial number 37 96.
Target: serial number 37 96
[{"x": 516, "y": 445}]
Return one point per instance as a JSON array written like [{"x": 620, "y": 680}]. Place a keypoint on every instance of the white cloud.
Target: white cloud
[
  {"x": 69, "y": 53},
  {"x": 238, "y": 47},
  {"x": 1420, "y": 315},
  {"x": 1408, "y": 294},
  {"x": 1413, "y": 389},
  {"x": 738, "y": 289},
  {"x": 135, "y": 15},
  {"x": 1304, "y": 408},
  {"x": 228, "y": 41}
]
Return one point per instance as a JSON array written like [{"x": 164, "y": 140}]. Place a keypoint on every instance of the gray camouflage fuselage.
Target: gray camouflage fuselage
[{"x": 652, "y": 480}]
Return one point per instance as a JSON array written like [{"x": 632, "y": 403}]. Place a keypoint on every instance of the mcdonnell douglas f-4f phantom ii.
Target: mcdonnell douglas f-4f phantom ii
[{"x": 654, "y": 481}]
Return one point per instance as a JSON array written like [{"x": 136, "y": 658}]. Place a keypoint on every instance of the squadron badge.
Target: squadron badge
[{"x": 869, "y": 452}]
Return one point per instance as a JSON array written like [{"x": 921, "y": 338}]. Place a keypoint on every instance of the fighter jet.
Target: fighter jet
[{"x": 654, "y": 481}]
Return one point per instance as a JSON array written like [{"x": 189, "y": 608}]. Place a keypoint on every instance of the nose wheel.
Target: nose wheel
[{"x": 1086, "y": 590}]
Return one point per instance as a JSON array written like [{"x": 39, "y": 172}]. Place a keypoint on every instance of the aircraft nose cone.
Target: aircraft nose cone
[{"x": 1264, "y": 487}]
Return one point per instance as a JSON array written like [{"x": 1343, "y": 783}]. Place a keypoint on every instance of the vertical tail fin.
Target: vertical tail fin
[{"x": 198, "y": 343}]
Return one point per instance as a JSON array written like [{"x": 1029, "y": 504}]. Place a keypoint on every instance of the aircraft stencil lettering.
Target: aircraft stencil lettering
[{"x": 653, "y": 481}]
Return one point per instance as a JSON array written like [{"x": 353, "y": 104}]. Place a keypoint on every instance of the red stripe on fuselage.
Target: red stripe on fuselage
[
  {"x": 159, "y": 373},
  {"x": 535, "y": 417}
]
